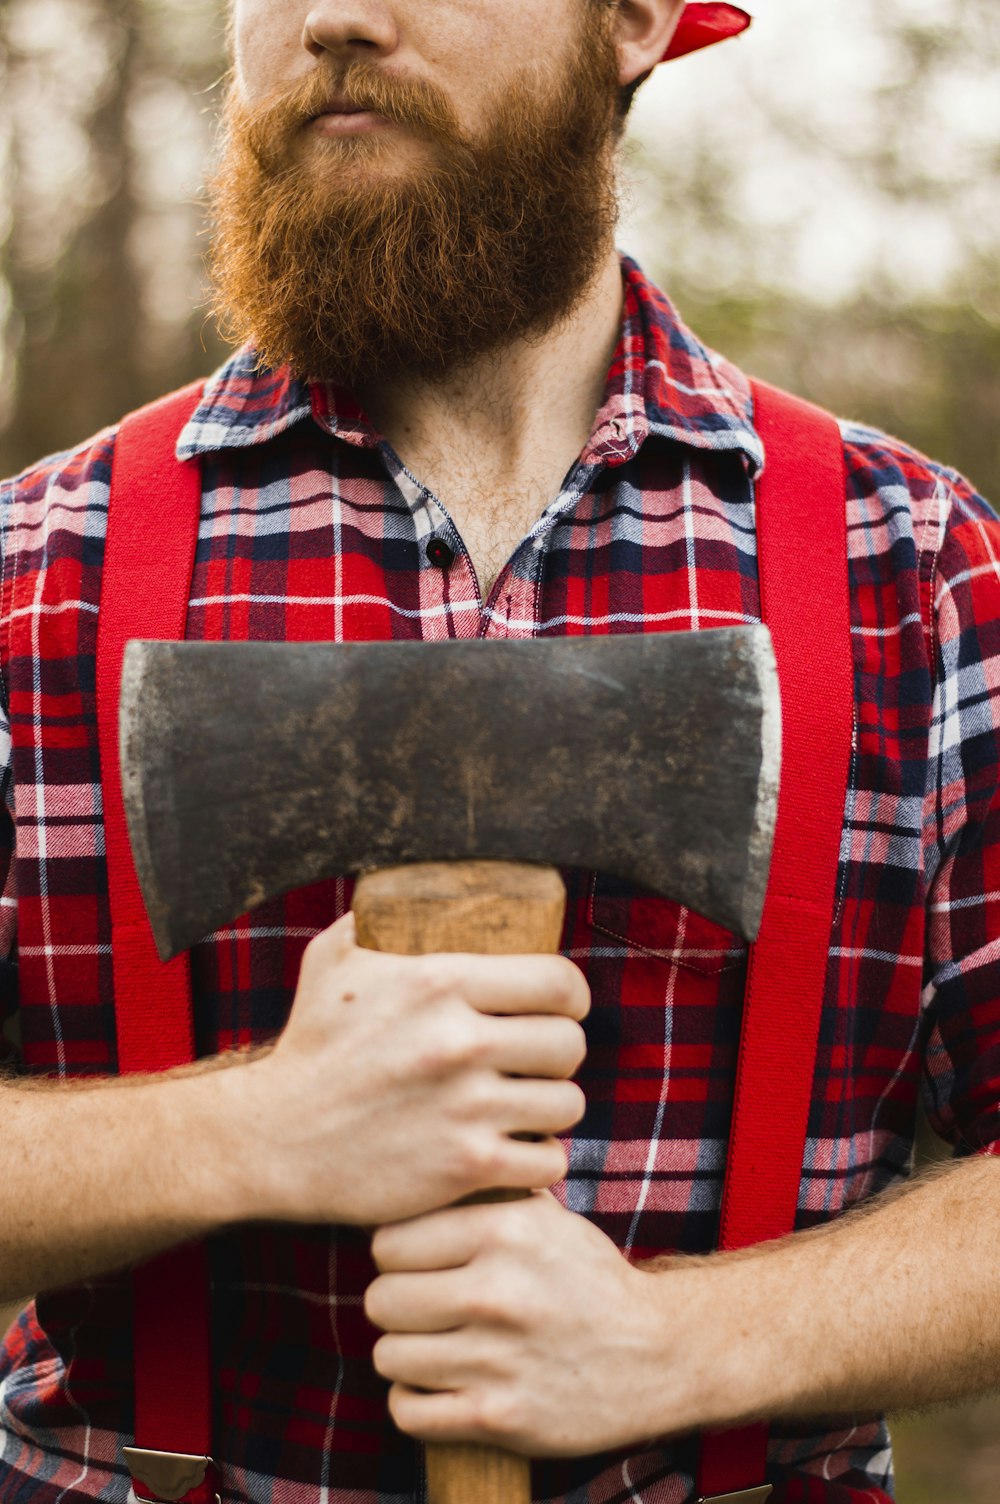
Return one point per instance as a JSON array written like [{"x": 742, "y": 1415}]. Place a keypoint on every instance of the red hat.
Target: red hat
[{"x": 701, "y": 25}]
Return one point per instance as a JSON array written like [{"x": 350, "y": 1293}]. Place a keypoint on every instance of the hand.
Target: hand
[
  {"x": 399, "y": 1081},
  {"x": 529, "y": 1329}
]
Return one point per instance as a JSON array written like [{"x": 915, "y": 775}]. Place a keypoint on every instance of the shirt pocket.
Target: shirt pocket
[{"x": 648, "y": 925}]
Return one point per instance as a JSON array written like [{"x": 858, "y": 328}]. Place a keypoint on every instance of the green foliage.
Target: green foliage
[
  {"x": 928, "y": 372},
  {"x": 950, "y": 1456}
]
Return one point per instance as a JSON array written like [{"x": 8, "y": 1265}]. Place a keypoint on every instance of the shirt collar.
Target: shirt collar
[{"x": 663, "y": 382}]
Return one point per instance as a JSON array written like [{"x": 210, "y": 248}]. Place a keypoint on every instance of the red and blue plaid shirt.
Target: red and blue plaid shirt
[{"x": 311, "y": 529}]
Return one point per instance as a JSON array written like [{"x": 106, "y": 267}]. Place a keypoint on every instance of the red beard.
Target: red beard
[{"x": 330, "y": 258}]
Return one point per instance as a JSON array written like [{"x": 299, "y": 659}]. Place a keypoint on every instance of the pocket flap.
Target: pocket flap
[{"x": 649, "y": 925}]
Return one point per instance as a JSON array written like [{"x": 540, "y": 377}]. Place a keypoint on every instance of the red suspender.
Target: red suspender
[
  {"x": 152, "y": 534},
  {"x": 802, "y": 551}
]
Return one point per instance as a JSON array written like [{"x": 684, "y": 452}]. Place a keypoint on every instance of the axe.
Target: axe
[{"x": 454, "y": 778}]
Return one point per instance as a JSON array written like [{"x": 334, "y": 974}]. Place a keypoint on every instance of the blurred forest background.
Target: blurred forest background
[{"x": 820, "y": 198}]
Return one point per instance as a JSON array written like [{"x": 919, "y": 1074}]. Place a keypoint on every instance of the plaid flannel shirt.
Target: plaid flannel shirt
[{"x": 312, "y": 529}]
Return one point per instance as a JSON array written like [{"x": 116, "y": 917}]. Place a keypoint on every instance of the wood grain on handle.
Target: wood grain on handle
[{"x": 486, "y": 908}]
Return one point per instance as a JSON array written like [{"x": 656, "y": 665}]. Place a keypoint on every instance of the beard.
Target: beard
[{"x": 331, "y": 257}]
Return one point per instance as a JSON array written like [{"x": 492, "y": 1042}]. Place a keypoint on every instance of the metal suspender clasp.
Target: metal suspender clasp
[
  {"x": 745, "y": 1496},
  {"x": 173, "y": 1477}
]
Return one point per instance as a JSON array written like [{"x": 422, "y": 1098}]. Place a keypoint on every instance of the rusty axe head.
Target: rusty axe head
[{"x": 253, "y": 768}]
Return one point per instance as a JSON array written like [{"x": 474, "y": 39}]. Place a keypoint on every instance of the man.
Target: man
[{"x": 466, "y": 415}]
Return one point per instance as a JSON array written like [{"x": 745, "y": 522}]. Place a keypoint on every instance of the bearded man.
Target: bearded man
[{"x": 457, "y": 411}]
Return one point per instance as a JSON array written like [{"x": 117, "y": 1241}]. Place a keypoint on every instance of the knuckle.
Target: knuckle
[
  {"x": 584, "y": 998},
  {"x": 431, "y": 1060},
  {"x": 467, "y": 1044},
  {"x": 374, "y": 1305},
  {"x": 403, "y": 1409},
  {"x": 323, "y": 953},
  {"x": 577, "y": 1047},
  {"x": 434, "y": 977},
  {"x": 485, "y": 1306},
  {"x": 517, "y": 1306},
  {"x": 468, "y": 1161},
  {"x": 476, "y": 1098},
  {"x": 482, "y": 1045},
  {"x": 495, "y": 1413},
  {"x": 331, "y": 942},
  {"x": 511, "y": 1232},
  {"x": 576, "y": 1104},
  {"x": 570, "y": 990},
  {"x": 382, "y": 1356},
  {"x": 313, "y": 957},
  {"x": 554, "y": 1162},
  {"x": 562, "y": 988},
  {"x": 451, "y": 1050},
  {"x": 565, "y": 1107},
  {"x": 382, "y": 1244},
  {"x": 485, "y": 1161}
]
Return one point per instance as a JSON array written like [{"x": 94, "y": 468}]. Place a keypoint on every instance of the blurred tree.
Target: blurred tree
[
  {"x": 928, "y": 371},
  {"x": 827, "y": 214},
  {"x": 76, "y": 304},
  {"x": 89, "y": 247}
]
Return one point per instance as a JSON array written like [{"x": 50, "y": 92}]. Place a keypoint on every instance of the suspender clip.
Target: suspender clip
[
  {"x": 173, "y": 1477},
  {"x": 745, "y": 1496}
]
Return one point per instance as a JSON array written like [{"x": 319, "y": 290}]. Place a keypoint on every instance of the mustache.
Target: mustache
[
  {"x": 358, "y": 276},
  {"x": 270, "y": 127}
]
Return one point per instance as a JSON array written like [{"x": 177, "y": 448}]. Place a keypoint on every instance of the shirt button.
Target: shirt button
[{"x": 439, "y": 554}]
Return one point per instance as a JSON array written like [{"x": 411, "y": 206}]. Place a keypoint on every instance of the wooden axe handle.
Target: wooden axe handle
[{"x": 487, "y": 908}]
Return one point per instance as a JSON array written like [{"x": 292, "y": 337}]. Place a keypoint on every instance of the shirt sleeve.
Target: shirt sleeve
[
  {"x": 10, "y": 1047},
  {"x": 961, "y": 1065}
]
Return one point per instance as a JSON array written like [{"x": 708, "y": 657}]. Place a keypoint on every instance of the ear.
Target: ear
[{"x": 644, "y": 30}]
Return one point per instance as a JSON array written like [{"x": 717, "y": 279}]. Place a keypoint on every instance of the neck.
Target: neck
[{"x": 512, "y": 402}]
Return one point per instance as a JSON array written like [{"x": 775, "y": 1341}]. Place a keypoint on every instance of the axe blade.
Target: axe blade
[{"x": 250, "y": 769}]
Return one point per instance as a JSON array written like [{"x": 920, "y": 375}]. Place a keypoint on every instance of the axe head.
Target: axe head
[{"x": 249, "y": 769}]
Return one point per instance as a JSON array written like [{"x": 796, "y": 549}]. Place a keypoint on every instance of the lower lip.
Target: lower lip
[{"x": 349, "y": 125}]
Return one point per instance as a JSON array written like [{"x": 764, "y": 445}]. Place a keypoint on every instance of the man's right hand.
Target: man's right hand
[
  {"x": 400, "y": 1082},
  {"x": 397, "y": 1087}
]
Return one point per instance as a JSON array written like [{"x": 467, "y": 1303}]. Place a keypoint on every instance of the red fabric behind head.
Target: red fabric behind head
[{"x": 701, "y": 25}]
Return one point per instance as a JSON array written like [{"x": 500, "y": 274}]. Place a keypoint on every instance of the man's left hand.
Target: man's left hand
[
  {"x": 521, "y": 1325},
  {"x": 517, "y": 1325}
]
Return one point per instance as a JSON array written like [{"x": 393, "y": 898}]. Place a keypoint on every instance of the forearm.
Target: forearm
[
  {"x": 395, "y": 1087},
  {"x": 99, "y": 1175},
  {"x": 890, "y": 1308}
]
